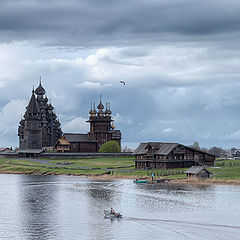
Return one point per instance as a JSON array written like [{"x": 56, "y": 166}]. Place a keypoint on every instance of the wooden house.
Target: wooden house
[
  {"x": 6, "y": 149},
  {"x": 80, "y": 142},
  {"x": 198, "y": 172},
  {"x": 159, "y": 155},
  {"x": 62, "y": 145}
]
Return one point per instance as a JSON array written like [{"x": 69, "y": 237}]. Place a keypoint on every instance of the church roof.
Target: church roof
[
  {"x": 77, "y": 137},
  {"x": 33, "y": 105},
  {"x": 40, "y": 90}
]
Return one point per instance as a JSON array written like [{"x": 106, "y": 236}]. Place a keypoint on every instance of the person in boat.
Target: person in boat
[{"x": 112, "y": 211}]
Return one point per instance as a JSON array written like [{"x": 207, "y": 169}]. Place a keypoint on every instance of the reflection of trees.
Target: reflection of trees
[
  {"x": 101, "y": 192},
  {"x": 167, "y": 196},
  {"x": 37, "y": 206}
]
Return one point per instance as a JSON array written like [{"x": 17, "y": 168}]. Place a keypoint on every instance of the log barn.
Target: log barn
[
  {"x": 159, "y": 155},
  {"x": 198, "y": 172}
]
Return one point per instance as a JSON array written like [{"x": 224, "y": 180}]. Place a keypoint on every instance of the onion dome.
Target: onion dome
[
  {"x": 108, "y": 112},
  {"x": 22, "y": 122},
  {"x": 91, "y": 111},
  {"x": 94, "y": 110},
  {"x": 100, "y": 105},
  {"x": 46, "y": 99},
  {"x": 50, "y": 107},
  {"x": 40, "y": 90}
]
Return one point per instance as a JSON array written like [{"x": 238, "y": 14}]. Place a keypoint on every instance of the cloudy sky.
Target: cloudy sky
[{"x": 180, "y": 60}]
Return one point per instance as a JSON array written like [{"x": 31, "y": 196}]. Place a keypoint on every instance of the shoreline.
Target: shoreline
[{"x": 187, "y": 181}]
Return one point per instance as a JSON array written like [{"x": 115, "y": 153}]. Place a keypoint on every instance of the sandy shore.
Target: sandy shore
[
  {"x": 109, "y": 177},
  {"x": 175, "y": 181}
]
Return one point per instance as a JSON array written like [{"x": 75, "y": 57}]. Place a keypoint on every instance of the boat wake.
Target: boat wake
[{"x": 152, "y": 220}]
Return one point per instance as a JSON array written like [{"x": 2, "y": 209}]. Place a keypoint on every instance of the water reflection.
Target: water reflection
[
  {"x": 38, "y": 207},
  {"x": 166, "y": 196},
  {"x": 61, "y": 207}
]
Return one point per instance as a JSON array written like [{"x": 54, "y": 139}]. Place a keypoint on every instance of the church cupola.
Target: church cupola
[
  {"x": 100, "y": 107},
  {"x": 91, "y": 112},
  {"x": 108, "y": 111},
  {"x": 40, "y": 91},
  {"x": 50, "y": 107}
]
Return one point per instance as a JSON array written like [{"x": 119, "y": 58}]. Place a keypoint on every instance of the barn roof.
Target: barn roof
[
  {"x": 159, "y": 148},
  {"x": 162, "y": 148},
  {"x": 196, "y": 170},
  {"x": 77, "y": 137}
]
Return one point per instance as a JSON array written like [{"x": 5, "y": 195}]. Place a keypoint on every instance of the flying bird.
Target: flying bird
[{"x": 122, "y": 82}]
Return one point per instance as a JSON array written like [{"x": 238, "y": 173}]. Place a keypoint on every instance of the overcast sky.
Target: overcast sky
[{"x": 180, "y": 60}]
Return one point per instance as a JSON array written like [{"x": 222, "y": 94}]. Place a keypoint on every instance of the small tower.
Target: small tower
[
  {"x": 100, "y": 124},
  {"x": 32, "y": 127}
]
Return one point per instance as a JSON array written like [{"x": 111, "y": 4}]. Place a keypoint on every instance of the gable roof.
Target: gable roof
[
  {"x": 162, "y": 148},
  {"x": 63, "y": 141},
  {"x": 159, "y": 148},
  {"x": 77, "y": 137},
  {"x": 196, "y": 169}
]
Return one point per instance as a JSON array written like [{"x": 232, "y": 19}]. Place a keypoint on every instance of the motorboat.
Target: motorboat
[{"x": 111, "y": 215}]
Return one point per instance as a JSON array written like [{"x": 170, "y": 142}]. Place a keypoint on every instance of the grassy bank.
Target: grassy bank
[{"x": 224, "y": 170}]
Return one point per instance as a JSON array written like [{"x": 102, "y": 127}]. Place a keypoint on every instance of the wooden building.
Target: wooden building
[
  {"x": 62, "y": 145},
  {"x": 6, "y": 150},
  {"x": 198, "y": 172},
  {"x": 158, "y": 155},
  {"x": 29, "y": 153},
  {"x": 75, "y": 142},
  {"x": 102, "y": 130}
]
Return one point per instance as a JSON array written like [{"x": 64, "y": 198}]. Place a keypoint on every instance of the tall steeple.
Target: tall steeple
[{"x": 32, "y": 108}]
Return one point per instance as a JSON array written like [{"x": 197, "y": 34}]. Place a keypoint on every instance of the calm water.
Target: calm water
[{"x": 61, "y": 207}]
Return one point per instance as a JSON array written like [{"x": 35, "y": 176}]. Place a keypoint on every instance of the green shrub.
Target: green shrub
[{"x": 110, "y": 147}]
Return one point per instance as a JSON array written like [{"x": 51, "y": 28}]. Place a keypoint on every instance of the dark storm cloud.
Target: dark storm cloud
[{"x": 96, "y": 23}]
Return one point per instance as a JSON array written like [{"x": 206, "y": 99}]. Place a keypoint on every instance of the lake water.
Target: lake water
[{"x": 64, "y": 207}]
